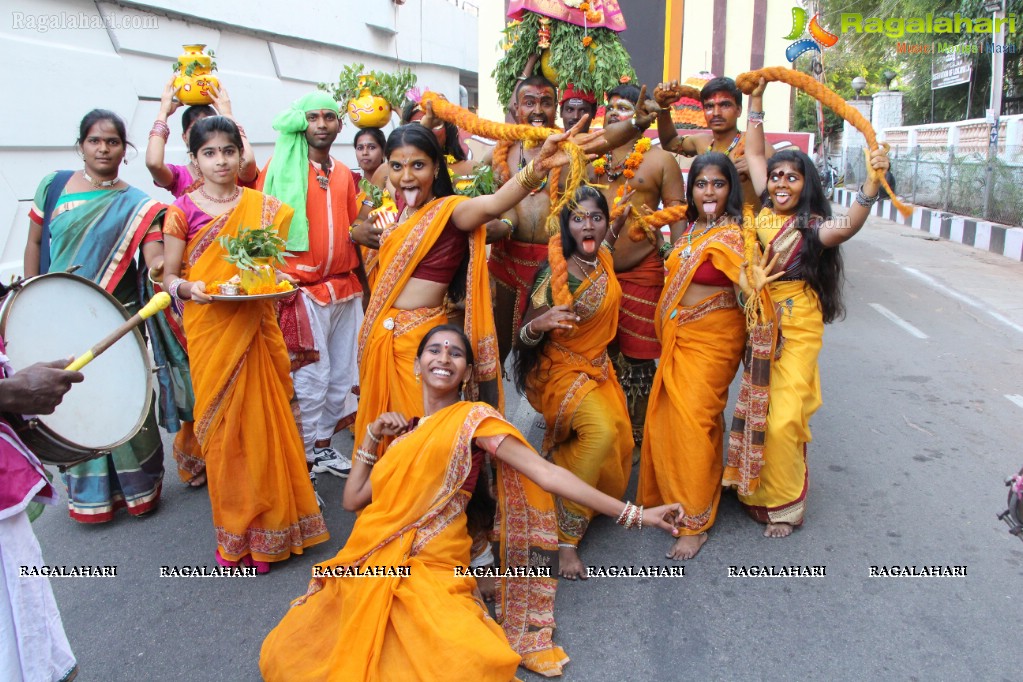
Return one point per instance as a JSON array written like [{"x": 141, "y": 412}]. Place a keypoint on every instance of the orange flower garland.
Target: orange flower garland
[
  {"x": 632, "y": 161},
  {"x": 587, "y": 41},
  {"x": 747, "y": 82},
  {"x": 466, "y": 120}
]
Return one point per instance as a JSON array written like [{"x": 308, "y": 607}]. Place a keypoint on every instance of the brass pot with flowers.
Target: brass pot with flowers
[{"x": 256, "y": 253}]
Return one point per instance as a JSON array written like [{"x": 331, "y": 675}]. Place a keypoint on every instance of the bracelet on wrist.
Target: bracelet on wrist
[
  {"x": 528, "y": 178},
  {"x": 175, "y": 288},
  {"x": 863, "y": 200},
  {"x": 665, "y": 250},
  {"x": 526, "y": 335},
  {"x": 755, "y": 118},
  {"x": 369, "y": 434},
  {"x": 365, "y": 457},
  {"x": 606, "y": 244}
]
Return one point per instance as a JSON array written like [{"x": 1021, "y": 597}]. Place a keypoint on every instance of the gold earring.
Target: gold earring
[{"x": 417, "y": 377}]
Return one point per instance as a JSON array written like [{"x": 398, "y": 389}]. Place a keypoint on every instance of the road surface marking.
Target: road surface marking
[
  {"x": 1018, "y": 399},
  {"x": 961, "y": 297},
  {"x": 898, "y": 320}
]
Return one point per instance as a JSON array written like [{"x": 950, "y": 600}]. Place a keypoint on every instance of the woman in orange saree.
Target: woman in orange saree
[
  {"x": 417, "y": 614},
  {"x": 796, "y": 227},
  {"x": 568, "y": 377},
  {"x": 702, "y": 330},
  {"x": 425, "y": 259},
  {"x": 264, "y": 507}
]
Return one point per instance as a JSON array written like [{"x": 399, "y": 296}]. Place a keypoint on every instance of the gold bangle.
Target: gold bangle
[{"x": 528, "y": 179}]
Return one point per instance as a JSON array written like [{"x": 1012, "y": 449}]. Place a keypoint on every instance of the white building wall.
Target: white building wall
[{"x": 60, "y": 61}]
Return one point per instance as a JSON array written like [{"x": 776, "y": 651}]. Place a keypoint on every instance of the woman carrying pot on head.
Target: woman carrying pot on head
[{"x": 179, "y": 180}]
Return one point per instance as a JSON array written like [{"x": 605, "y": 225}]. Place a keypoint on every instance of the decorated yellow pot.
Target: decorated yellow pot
[
  {"x": 262, "y": 280},
  {"x": 368, "y": 110},
  {"x": 194, "y": 80},
  {"x": 546, "y": 69}
]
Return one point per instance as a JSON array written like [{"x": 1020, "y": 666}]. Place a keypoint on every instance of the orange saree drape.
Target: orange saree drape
[
  {"x": 430, "y": 624},
  {"x": 389, "y": 337},
  {"x": 701, "y": 347},
  {"x": 263, "y": 503},
  {"x": 575, "y": 389}
]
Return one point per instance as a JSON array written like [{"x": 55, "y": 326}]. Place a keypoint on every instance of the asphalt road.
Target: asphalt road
[{"x": 918, "y": 431}]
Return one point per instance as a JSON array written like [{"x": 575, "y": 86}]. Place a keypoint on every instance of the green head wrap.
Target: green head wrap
[{"x": 287, "y": 178}]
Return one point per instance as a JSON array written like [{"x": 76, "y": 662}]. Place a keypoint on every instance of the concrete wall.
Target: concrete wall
[{"x": 64, "y": 57}]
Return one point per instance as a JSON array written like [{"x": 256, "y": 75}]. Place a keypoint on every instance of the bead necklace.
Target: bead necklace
[
  {"x": 205, "y": 195},
  {"x": 583, "y": 262},
  {"x": 730, "y": 147},
  {"x": 103, "y": 184},
  {"x": 688, "y": 251}
]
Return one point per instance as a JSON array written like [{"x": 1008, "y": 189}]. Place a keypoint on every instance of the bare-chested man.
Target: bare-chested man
[
  {"x": 517, "y": 254},
  {"x": 722, "y": 106},
  {"x": 640, "y": 268}
]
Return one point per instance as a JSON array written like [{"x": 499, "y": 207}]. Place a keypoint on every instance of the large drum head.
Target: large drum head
[{"x": 58, "y": 316}]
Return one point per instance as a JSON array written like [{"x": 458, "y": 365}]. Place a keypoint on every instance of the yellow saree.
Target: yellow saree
[
  {"x": 701, "y": 347},
  {"x": 575, "y": 389},
  {"x": 429, "y": 624},
  {"x": 794, "y": 386},
  {"x": 389, "y": 336},
  {"x": 263, "y": 503}
]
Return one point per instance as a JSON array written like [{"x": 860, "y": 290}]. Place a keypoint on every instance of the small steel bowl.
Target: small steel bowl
[{"x": 229, "y": 289}]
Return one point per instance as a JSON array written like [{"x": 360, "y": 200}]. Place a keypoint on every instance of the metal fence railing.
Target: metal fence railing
[{"x": 953, "y": 179}]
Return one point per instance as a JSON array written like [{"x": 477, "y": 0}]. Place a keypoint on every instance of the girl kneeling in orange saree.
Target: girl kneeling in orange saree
[
  {"x": 264, "y": 507},
  {"x": 567, "y": 376},
  {"x": 418, "y": 615}
]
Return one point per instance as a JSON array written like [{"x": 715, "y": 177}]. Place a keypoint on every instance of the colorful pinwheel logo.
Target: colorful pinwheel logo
[{"x": 818, "y": 40}]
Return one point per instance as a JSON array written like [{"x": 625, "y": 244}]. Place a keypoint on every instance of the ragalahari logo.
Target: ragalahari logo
[{"x": 818, "y": 40}]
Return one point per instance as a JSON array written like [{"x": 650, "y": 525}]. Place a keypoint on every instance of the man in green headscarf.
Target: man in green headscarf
[{"x": 321, "y": 326}]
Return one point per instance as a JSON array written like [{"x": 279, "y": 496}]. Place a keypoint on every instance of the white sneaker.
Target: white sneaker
[{"x": 330, "y": 461}]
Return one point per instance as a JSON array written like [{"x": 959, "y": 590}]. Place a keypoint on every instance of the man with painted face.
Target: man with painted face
[
  {"x": 722, "y": 106},
  {"x": 321, "y": 324},
  {"x": 656, "y": 181},
  {"x": 575, "y": 104},
  {"x": 516, "y": 255}
]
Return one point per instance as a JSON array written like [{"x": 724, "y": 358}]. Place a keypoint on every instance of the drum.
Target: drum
[{"x": 59, "y": 315}]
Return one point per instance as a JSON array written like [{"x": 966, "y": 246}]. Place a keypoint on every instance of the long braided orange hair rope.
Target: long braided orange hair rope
[
  {"x": 747, "y": 82},
  {"x": 465, "y": 119}
]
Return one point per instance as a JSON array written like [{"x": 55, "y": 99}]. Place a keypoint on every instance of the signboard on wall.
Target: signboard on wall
[{"x": 950, "y": 68}]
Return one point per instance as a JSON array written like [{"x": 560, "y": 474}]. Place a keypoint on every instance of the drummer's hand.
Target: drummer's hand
[
  {"x": 38, "y": 388},
  {"x": 197, "y": 293}
]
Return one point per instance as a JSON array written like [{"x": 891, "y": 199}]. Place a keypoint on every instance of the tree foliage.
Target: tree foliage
[{"x": 870, "y": 54}]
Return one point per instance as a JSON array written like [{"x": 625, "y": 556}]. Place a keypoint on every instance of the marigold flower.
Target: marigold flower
[{"x": 587, "y": 41}]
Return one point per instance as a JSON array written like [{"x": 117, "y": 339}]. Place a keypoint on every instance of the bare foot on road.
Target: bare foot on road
[
  {"x": 687, "y": 547},
  {"x": 778, "y": 530},
  {"x": 569, "y": 564}
]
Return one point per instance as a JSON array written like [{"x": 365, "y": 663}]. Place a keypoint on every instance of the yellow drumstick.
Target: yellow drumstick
[{"x": 155, "y": 305}]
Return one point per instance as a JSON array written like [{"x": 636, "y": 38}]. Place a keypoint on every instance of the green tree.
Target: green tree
[{"x": 870, "y": 54}]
